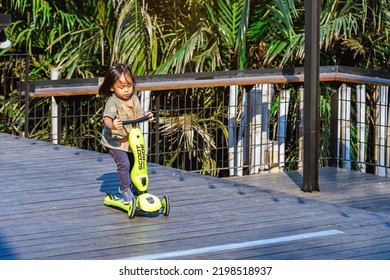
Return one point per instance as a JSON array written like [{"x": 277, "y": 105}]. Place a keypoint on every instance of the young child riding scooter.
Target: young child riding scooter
[{"x": 122, "y": 104}]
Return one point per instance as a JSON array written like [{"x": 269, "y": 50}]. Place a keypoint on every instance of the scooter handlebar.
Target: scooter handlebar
[{"x": 141, "y": 119}]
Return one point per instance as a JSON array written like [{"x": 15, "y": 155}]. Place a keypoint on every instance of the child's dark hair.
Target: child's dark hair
[{"x": 113, "y": 74}]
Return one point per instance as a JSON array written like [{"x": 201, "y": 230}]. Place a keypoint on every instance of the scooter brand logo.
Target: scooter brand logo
[{"x": 141, "y": 156}]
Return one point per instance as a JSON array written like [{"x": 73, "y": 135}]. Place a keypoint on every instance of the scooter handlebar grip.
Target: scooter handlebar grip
[{"x": 141, "y": 119}]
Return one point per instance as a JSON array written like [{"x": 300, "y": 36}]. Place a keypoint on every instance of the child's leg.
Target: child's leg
[{"x": 123, "y": 168}]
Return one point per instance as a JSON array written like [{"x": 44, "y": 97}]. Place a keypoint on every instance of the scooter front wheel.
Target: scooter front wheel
[
  {"x": 132, "y": 206},
  {"x": 166, "y": 207}
]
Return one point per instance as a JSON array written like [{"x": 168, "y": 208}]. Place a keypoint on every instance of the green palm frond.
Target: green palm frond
[
  {"x": 336, "y": 29},
  {"x": 219, "y": 36},
  {"x": 187, "y": 126}
]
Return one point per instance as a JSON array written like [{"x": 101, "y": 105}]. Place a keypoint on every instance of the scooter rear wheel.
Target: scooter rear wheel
[
  {"x": 132, "y": 206},
  {"x": 111, "y": 196},
  {"x": 165, "y": 205}
]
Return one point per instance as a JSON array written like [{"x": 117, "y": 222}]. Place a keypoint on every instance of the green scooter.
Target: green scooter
[{"x": 144, "y": 203}]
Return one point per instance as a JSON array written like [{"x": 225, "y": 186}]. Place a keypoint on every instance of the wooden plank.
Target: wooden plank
[{"x": 345, "y": 187}]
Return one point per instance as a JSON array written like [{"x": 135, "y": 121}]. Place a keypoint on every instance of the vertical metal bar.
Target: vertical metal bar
[
  {"x": 282, "y": 126},
  {"x": 334, "y": 128},
  {"x": 345, "y": 127},
  {"x": 157, "y": 141},
  {"x": 301, "y": 145},
  {"x": 232, "y": 132},
  {"x": 60, "y": 100},
  {"x": 54, "y": 120},
  {"x": 381, "y": 131},
  {"x": 266, "y": 98},
  {"x": 311, "y": 99},
  {"x": 361, "y": 125},
  {"x": 248, "y": 129},
  {"x": 27, "y": 97}
]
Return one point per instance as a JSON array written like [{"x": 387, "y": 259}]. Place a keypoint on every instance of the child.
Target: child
[{"x": 122, "y": 104}]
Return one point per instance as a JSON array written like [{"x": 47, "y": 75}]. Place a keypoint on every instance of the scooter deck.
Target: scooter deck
[
  {"x": 112, "y": 200},
  {"x": 152, "y": 205}
]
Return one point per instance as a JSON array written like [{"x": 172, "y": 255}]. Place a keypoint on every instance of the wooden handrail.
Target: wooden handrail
[{"x": 74, "y": 87}]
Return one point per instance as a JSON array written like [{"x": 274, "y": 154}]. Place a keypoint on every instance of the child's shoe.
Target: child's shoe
[
  {"x": 134, "y": 190},
  {"x": 127, "y": 196}
]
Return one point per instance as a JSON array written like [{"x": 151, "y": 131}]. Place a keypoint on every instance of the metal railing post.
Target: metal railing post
[
  {"x": 312, "y": 96},
  {"x": 55, "y": 111}
]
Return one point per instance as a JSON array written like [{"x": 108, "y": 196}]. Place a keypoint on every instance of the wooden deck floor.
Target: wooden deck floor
[{"x": 52, "y": 208}]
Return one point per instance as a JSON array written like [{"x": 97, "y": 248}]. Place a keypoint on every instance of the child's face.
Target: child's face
[{"x": 123, "y": 88}]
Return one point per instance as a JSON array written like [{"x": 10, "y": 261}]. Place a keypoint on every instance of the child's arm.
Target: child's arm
[{"x": 112, "y": 124}]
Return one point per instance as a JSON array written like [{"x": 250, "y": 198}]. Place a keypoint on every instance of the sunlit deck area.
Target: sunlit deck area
[{"x": 52, "y": 208}]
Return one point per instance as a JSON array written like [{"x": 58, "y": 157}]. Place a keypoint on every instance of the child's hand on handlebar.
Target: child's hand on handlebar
[
  {"x": 150, "y": 115},
  {"x": 117, "y": 124}
]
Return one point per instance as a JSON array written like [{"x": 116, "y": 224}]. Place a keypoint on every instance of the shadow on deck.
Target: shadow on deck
[{"x": 52, "y": 208}]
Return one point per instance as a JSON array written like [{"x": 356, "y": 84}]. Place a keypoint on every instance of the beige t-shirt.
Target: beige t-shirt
[{"x": 116, "y": 108}]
